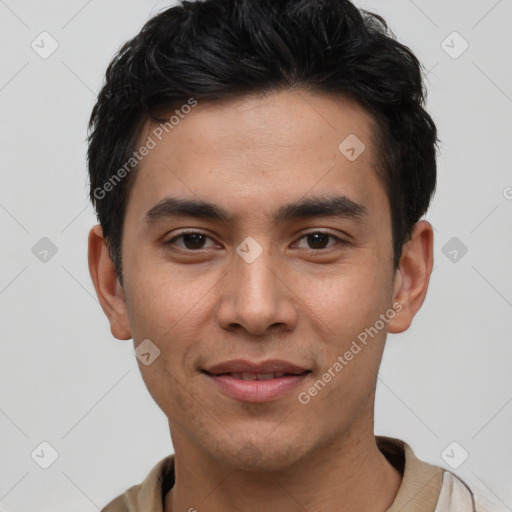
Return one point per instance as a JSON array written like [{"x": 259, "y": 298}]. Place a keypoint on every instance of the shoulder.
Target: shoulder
[
  {"x": 126, "y": 502},
  {"x": 425, "y": 487},
  {"x": 147, "y": 496},
  {"x": 455, "y": 495}
]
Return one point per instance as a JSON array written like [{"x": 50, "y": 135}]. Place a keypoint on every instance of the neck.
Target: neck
[{"x": 352, "y": 475}]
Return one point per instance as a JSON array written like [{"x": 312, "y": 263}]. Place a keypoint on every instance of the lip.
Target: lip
[
  {"x": 268, "y": 366},
  {"x": 256, "y": 390}
]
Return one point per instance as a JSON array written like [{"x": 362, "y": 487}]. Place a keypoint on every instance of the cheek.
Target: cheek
[
  {"x": 348, "y": 302},
  {"x": 162, "y": 300},
  {"x": 347, "y": 311},
  {"x": 158, "y": 313}
]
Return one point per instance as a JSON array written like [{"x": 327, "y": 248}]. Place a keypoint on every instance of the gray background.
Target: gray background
[{"x": 65, "y": 380}]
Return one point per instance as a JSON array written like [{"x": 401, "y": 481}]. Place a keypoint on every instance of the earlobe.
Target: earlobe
[
  {"x": 108, "y": 289},
  {"x": 413, "y": 276}
]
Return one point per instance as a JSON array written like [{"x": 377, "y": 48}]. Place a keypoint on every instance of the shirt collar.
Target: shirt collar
[
  {"x": 418, "y": 492},
  {"x": 421, "y": 482}
]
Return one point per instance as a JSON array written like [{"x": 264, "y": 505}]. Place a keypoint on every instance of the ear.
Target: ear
[
  {"x": 413, "y": 276},
  {"x": 107, "y": 286}
]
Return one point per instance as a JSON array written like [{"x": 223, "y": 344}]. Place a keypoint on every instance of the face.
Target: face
[{"x": 264, "y": 273}]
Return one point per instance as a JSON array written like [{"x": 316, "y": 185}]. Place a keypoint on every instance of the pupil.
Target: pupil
[
  {"x": 316, "y": 236},
  {"x": 195, "y": 237},
  {"x": 194, "y": 240}
]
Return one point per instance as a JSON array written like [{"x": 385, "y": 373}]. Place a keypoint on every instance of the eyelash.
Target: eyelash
[{"x": 338, "y": 240}]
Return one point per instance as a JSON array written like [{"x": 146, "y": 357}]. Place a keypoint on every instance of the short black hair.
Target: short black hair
[{"x": 208, "y": 50}]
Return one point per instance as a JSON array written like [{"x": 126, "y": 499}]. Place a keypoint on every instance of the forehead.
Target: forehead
[
  {"x": 288, "y": 119},
  {"x": 278, "y": 145}
]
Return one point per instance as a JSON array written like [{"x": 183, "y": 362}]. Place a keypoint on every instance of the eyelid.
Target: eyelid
[
  {"x": 188, "y": 231},
  {"x": 339, "y": 241}
]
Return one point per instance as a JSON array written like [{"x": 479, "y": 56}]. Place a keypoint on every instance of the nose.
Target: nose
[{"x": 257, "y": 297}]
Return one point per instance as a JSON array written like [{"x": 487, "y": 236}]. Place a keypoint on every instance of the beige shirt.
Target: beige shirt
[{"x": 424, "y": 488}]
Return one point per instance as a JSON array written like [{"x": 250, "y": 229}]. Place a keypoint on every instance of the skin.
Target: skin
[{"x": 298, "y": 301}]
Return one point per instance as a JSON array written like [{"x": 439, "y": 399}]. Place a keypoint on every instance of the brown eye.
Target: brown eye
[
  {"x": 319, "y": 240},
  {"x": 191, "y": 240}
]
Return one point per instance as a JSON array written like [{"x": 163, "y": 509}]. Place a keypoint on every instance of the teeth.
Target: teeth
[{"x": 257, "y": 376}]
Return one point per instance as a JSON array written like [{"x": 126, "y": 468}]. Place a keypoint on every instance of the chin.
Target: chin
[{"x": 263, "y": 455}]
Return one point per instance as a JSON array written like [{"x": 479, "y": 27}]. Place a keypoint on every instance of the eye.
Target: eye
[
  {"x": 195, "y": 240},
  {"x": 318, "y": 239},
  {"x": 191, "y": 240}
]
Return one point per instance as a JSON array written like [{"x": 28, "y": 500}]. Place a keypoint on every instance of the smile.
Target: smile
[{"x": 256, "y": 387}]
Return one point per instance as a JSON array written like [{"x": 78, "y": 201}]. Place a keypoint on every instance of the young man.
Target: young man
[{"x": 259, "y": 170}]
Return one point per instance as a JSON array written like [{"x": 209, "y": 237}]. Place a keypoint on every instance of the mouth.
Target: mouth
[
  {"x": 256, "y": 382},
  {"x": 258, "y": 376}
]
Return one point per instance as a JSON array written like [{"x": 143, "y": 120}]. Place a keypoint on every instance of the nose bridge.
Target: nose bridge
[
  {"x": 255, "y": 297},
  {"x": 255, "y": 275}
]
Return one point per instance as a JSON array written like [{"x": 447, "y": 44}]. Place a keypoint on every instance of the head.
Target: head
[{"x": 291, "y": 131}]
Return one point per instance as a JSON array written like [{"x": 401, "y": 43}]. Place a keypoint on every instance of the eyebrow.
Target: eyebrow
[{"x": 322, "y": 206}]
